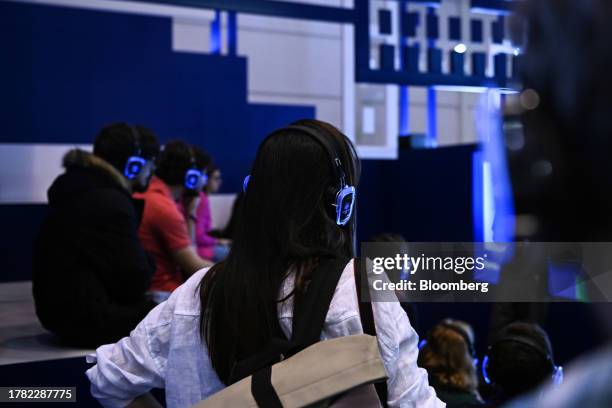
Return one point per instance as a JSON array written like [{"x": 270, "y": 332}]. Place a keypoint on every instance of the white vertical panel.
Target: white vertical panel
[
  {"x": 190, "y": 36},
  {"x": 27, "y": 171},
  {"x": 221, "y": 209},
  {"x": 292, "y": 64}
]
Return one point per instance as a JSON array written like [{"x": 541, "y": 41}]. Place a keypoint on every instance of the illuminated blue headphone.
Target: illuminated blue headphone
[
  {"x": 344, "y": 201},
  {"x": 557, "y": 371},
  {"x": 193, "y": 174},
  {"x": 135, "y": 163}
]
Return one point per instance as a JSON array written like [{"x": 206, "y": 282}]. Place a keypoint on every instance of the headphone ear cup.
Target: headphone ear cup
[
  {"x": 133, "y": 167},
  {"x": 245, "y": 183}
]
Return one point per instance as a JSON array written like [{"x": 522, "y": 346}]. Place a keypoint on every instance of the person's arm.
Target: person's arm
[
  {"x": 191, "y": 228},
  {"x": 172, "y": 229},
  {"x": 408, "y": 384},
  {"x": 128, "y": 369},
  {"x": 192, "y": 216},
  {"x": 189, "y": 260}
]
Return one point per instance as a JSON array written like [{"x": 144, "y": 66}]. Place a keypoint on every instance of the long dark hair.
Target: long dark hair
[{"x": 287, "y": 222}]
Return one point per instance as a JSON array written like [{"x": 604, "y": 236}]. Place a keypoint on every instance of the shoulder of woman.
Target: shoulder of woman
[
  {"x": 186, "y": 298},
  {"x": 344, "y": 303}
]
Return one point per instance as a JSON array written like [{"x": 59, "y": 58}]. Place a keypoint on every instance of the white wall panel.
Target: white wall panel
[
  {"x": 190, "y": 36},
  {"x": 292, "y": 64},
  {"x": 132, "y": 7},
  {"x": 288, "y": 25},
  {"x": 27, "y": 171}
]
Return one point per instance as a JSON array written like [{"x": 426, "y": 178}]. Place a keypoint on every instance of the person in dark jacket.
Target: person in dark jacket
[{"x": 90, "y": 270}]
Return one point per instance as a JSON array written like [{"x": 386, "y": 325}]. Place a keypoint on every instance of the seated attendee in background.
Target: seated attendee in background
[
  {"x": 90, "y": 269},
  {"x": 214, "y": 180},
  {"x": 519, "y": 360},
  {"x": 164, "y": 230},
  {"x": 297, "y": 214},
  {"x": 208, "y": 247},
  {"x": 447, "y": 353}
]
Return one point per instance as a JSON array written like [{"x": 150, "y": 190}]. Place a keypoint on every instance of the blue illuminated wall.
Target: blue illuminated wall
[
  {"x": 72, "y": 71},
  {"x": 67, "y": 72}
]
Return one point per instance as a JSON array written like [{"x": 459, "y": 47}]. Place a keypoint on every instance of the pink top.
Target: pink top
[{"x": 204, "y": 242}]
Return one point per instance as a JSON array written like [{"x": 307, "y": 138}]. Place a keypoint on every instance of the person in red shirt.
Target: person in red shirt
[{"x": 164, "y": 230}]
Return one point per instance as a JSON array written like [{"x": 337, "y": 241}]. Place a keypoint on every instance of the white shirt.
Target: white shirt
[{"x": 166, "y": 350}]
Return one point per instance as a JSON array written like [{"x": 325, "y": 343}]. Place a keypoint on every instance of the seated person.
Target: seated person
[
  {"x": 214, "y": 180},
  {"x": 519, "y": 359},
  {"x": 164, "y": 230},
  {"x": 90, "y": 271},
  {"x": 447, "y": 353},
  {"x": 209, "y": 247}
]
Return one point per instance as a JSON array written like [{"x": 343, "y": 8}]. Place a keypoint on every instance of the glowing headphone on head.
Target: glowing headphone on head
[
  {"x": 344, "y": 201},
  {"x": 457, "y": 329},
  {"x": 135, "y": 163},
  {"x": 557, "y": 371},
  {"x": 193, "y": 174}
]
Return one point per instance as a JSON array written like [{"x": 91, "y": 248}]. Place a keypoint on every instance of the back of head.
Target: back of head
[
  {"x": 287, "y": 221},
  {"x": 447, "y": 355},
  {"x": 520, "y": 358},
  {"x": 118, "y": 141},
  {"x": 567, "y": 61},
  {"x": 176, "y": 158}
]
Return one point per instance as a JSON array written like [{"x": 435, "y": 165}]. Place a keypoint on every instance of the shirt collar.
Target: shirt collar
[{"x": 157, "y": 185}]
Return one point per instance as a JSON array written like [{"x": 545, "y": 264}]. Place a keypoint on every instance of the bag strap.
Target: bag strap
[
  {"x": 263, "y": 391},
  {"x": 367, "y": 322},
  {"x": 310, "y": 307},
  {"x": 309, "y": 313}
]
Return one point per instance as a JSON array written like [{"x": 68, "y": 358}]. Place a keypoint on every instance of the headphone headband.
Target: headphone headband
[
  {"x": 192, "y": 158},
  {"x": 546, "y": 354},
  {"x": 331, "y": 150},
  {"x": 136, "y": 141},
  {"x": 557, "y": 371},
  {"x": 459, "y": 330}
]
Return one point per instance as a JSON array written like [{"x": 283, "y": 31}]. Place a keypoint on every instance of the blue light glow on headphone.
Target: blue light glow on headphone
[
  {"x": 245, "y": 183},
  {"x": 133, "y": 167},
  {"x": 557, "y": 371},
  {"x": 193, "y": 177},
  {"x": 485, "y": 376}
]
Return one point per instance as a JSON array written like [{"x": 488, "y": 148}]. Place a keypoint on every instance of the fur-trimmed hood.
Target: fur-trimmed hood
[
  {"x": 78, "y": 157},
  {"x": 84, "y": 172}
]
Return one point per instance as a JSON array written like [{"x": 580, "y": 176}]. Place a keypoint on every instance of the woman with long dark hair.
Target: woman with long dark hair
[{"x": 289, "y": 221}]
